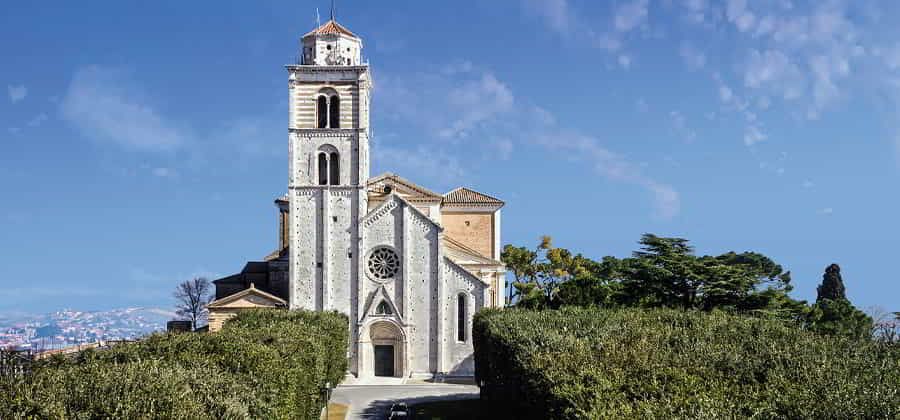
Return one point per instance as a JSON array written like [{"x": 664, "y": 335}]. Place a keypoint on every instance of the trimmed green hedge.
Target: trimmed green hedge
[
  {"x": 263, "y": 364},
  {"x": 593, "y": 363}
]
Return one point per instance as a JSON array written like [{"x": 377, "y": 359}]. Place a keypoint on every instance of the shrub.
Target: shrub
[
  {"x": 592, "y": 363},
  {"x": 263, "y": 364}
]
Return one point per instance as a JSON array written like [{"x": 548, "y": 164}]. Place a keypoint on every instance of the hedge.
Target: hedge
[
  {"x": 268, "y": 364},
  {"x": 594, "y": 363}
]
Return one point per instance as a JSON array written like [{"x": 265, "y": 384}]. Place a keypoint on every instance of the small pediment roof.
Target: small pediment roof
[
  {"x": 402, "y": 186},
  {"x": 381, "y": 295},
  {"x": 250, "y": 297},
  {"x": 465, "y": 196}
]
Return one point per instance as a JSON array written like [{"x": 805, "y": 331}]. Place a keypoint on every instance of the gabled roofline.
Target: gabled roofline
[
  {"x": 251, "y": 290},
  {"x": 478, "y": 199},
  {"x": 395, "y": 196},
  {"x": 332, "y": 27},
  {"x": 399, "y": 179},
  {"x": 461, "y": 268}
]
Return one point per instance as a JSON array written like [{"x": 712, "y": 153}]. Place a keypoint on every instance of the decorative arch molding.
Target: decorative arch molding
[{"x": 383, "y": 331}]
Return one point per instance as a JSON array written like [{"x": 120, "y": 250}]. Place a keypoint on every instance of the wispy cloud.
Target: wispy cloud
[
  {"x": 630, "y": 15},
  {"x": 693, "y": 58},
  {"x": 37, "y": 120},
  {"x": 105, "y": 105},
  {"x": 679, "y": 124},
  {"x": 609, "y": 35},
  {"x": 16, "y": 93},
  {"x": 453, "y": 129}
]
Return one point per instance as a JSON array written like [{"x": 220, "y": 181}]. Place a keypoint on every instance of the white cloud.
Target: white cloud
[
  {"x": 680, "y": 126},
  {"x": 503, "y": 147},
  {"x": 696, "y": 10},
  {"x": 725, "y": 94},
  {"x": 808, "y": 184},
  {"x": 737, "y": 13},
  {"x": 37, "y": 120},
  {"x": 641, "y": 105},
  {"x": 773, "y": 70},
  {"x": 16, "y": 93},
  {"x": 422, "y": 160},
  {"x": 163, "y": 172},
  {"x": 625, "y": 61},
  {"x": 555, "y": 13},
  {"x": 753, "y": 135},
  {"x": 630, "y": 15},
  {"x": 826, "y": 211},
  {"x": 461, "y": 111},
  {"x": 477, "y": 101},
  {"x": 612, "y": 166},
  {"x": 104, "y": 105},
  {"x": 693, "y": 58}
]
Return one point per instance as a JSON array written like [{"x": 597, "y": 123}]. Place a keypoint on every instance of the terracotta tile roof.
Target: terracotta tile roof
[
  {"x": 331, "y": 28},
  {"x": 464, "y": 195}
]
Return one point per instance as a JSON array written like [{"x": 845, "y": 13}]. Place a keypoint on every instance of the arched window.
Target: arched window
[
  {"x": 383, "y": 309},
  {"x": 334, "y": 165},
  {"x": 335, "y": 111},
  {"x": 323, "y": 168},
  {"x": 322, "y": 111},
  {"x": 461, "y": 317}
]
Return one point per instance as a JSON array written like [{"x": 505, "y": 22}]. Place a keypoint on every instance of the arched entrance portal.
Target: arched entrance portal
[{"x": 386, "y": 350}]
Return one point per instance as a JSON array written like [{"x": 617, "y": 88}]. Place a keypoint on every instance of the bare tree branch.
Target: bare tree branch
[{"x": 191, "y": 298}]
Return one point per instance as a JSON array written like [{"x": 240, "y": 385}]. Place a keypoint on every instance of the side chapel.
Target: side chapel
[{"x": 409, "y": 266}]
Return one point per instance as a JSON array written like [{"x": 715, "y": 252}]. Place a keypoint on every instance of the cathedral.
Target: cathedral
[{"x": 409, "y": 266}]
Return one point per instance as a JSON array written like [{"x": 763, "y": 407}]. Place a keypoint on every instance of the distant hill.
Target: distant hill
[{"x": 70, "y": 327}]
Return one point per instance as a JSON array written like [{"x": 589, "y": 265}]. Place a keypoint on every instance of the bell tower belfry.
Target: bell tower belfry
[{"x": 328, "y": 133}]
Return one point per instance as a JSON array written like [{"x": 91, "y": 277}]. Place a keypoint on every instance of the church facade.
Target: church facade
[{"x": 408, "y": 266}]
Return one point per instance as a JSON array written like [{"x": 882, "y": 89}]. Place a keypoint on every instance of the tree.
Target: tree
[
  {"x": 832, "y": 286},
  {"x": 191, "y": 298},
  {"x": 833, "y": 314},
  {"x": 886, "y": 325},
  {"x": 520, "y": 261},
  {"x": 595, "y": 284}
]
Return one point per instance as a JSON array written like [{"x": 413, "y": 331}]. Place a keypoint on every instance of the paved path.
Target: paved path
[{"x": 374, "y": 401}]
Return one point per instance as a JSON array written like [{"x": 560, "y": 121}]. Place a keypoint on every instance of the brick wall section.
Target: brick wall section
[{"x": 478, "y": 234}]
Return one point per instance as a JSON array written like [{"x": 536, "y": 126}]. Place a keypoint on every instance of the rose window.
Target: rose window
[{"x": 383, "y": 263}]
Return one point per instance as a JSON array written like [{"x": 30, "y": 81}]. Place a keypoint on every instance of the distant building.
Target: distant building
[{"x": 409, "y": 266}]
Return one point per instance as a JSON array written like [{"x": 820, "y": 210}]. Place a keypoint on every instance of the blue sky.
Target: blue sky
[{"x": 142, "y": 143}]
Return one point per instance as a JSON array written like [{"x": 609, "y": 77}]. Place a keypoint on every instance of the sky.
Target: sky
[{"x": 143, "y": 143}]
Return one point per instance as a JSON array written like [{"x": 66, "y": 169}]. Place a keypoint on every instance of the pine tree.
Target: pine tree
[
  {"x": 832, "y": 287},
  {"x": 833, "y": 314}
]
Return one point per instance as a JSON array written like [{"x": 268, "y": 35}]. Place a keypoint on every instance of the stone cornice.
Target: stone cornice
[
  {"x": 470, "y": 208},
  {"x": 326, "y": 132},
  {"x": 302, "y": 68},
  {"x": 326, "y": 187}
]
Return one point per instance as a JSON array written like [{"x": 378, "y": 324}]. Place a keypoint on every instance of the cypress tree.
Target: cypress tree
[{"x": 832, "y": 287}]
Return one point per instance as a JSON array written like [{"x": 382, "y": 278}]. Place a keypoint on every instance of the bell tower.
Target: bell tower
[{"x": 328, "y": 132}]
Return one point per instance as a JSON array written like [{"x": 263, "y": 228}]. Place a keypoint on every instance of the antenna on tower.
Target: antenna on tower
[
  {"x": 332, "y": 9},
  {"x": 318, "y": 20}
]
